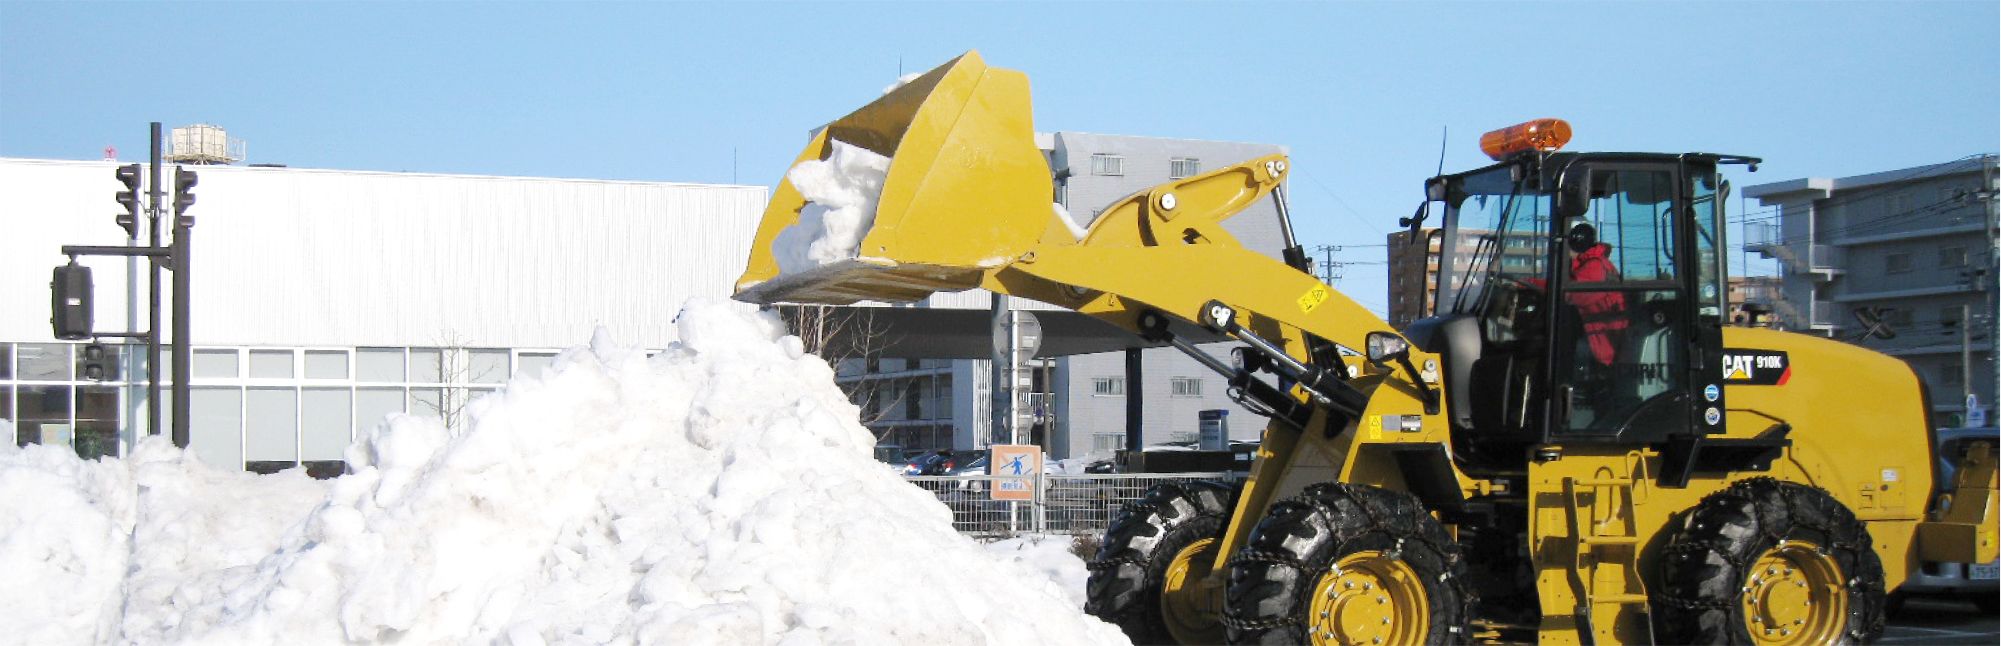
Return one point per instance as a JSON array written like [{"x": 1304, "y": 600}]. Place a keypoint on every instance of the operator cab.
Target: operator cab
[{"x": 1580, "y": 296}]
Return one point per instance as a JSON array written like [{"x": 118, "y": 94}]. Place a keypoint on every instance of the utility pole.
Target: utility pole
[
  {"x": 1966, "y": 358},
  {"x": 1330, "y": 270},
  {"x": 1991, "y": 194}
]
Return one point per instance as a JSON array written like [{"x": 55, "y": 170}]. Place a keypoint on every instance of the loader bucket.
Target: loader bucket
[{"x": 967, "y": 190}]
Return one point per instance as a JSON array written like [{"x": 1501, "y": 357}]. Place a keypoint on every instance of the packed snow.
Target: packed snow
[
  {"x": 718, "y": 493},
  {"x": 841, "y": 193}
]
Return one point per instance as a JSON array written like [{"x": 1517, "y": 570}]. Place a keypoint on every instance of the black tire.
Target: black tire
[
  {"x": 1893, "y": 605},
  {"x": 1985, "y": 601},
  {"x": 1274, "y": 577},
  {"x": 1132, "y": 560},
  {"x": 1705, "y": 566}
]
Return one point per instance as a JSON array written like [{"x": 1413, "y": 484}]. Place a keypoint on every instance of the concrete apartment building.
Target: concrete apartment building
[
  {"x": 1913, "y": 248},
  {"x": 1413, "y": 276},
  {"x": 1093, "y": 172}
]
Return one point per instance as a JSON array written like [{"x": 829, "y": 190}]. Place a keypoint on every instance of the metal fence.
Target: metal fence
[{"x": 1063, "y": 504}]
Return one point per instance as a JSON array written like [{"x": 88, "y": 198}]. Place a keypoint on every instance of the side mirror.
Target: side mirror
[{"x": 1384, "y": 346}]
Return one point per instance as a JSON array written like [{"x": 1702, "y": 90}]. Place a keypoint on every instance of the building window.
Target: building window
[
  {"x": 1186, "y": 387},
  {"x": 1952, "y": 257},
  {"x": 487, "y": 366},
  {"x": 1107, "y": 442},
  {"x": 270, "y": 364},
  {"x": 215, "y": 363},
  {"x": 1102, "y": 164},
  {"x": 326, "y": 364},
  {"x": 1950, "y": 374},
  {"x": 1897, "y": 263},
  {"x": 535, "y": 362},
  {"x": 380, "y": 365},
  {"x": 1180, "y": 167},
  {"x": 1108, "y": 386}
]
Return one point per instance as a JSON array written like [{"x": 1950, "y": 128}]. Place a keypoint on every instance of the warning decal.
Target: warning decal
[
  {"x": 1756, "y": 367},
  {"x": 1313, "y": 298}
]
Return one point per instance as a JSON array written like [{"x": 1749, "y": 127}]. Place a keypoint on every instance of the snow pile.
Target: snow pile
[
  {"x": 64, "y": 524},
  {"x": 841, "y": 193},
  {"x": 902, "y": 81},
  {"x": 94, "y": 539},
  {"x": 720, "y": 492},
  {"x": 1052, "y": 557}
]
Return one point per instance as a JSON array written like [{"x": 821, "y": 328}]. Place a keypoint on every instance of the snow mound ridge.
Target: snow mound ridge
[{"x": 718, "y": 493}]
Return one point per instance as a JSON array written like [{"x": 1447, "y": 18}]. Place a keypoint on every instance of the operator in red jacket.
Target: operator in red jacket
[{"x": 1603, "y": 313}]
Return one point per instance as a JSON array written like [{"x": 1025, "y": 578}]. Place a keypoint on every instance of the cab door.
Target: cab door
[{"x": 1622, "y": 355}]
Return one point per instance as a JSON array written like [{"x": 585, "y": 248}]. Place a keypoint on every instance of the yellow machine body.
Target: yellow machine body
[{"x": 966, "y": 204}]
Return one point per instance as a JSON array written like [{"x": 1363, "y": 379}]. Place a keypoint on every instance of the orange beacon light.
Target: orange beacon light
[{"x": 1546, "y": 135}]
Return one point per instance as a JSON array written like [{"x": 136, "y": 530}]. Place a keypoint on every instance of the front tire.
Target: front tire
[
  {"x": 1149, "y": 573},
  {"x": 1770, "y": 562},
  {"x": 1348, "y": 564}
]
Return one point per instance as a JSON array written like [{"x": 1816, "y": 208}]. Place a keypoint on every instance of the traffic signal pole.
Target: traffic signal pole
[
  {"x": 184, "y": 182},
  {"x": 154, "y": 194},
  {"x": 71, "y": 289}
]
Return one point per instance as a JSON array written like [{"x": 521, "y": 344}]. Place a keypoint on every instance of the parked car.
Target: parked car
[
  {"x": 975, "y": 467},
  {"x": 934, "y": 463},
  {"x": 1979, "y": 582}
]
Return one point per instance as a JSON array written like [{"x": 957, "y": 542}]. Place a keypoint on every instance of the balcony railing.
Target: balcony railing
[{"x": 1759, "y": 236}]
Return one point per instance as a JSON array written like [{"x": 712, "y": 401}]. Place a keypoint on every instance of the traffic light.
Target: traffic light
[
  {"x": 70, "y": 292},
  {"x": 129, "y": 198},
  {"x": 184, "y": 190},
  {"x": 99, "y": 363}
]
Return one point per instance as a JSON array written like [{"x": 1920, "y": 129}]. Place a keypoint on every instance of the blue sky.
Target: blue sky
[{"x": 671, "y": 91}]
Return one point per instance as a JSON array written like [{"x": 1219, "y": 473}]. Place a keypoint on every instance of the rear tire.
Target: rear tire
[
  {"x": 1985, "y": 601},
  {"x": 1756, "y": 556},
  {"x": 1158, "y": 539},
  {"x": 1348, "y": 563}
]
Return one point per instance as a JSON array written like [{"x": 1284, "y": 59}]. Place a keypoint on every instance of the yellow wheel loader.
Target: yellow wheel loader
[{"x": 1573, "y": 449}]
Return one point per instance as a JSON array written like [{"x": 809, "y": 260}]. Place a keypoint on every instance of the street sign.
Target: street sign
[
  {"x": 1028, "y": 333},
  {"x": 1017, "y": 465},
  {"x": 1214, "y": 430}
]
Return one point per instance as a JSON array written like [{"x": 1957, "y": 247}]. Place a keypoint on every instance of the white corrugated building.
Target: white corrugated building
[{"x": 326, "y": 299}]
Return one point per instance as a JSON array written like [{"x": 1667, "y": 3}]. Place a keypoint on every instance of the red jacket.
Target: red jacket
[{"x": 1604, "y": 313}]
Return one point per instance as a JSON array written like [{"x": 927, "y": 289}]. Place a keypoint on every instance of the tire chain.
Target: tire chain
[
  {"x": 1110, "y": 564},
  {"x": 1374, "y": 523},
  {"x": 1741, "y": 491}
]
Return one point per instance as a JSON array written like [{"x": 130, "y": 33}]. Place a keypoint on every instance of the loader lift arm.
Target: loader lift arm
[
  {"x": 1162, "y": 255},
  {"x": 966, "y": 203}
]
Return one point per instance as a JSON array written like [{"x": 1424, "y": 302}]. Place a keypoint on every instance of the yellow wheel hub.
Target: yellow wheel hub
[
  {"x": 1794, "y": 594},
  {"x": 1369, "y": 598},
  {"x": 1191, "y": 601}
]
